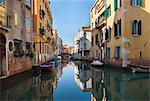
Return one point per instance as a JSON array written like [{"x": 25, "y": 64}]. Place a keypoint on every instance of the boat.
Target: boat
[
  {"x": 97, "y": 64},
  {"x": 56, "y": 59},
  {"x": 48, "y": 66},
  {"x": 140, "y": 69},
  {"x": 60, "y": 58}
]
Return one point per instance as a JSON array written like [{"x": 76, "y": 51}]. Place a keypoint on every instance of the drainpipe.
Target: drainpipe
[
  {"x": 140, "y": 58},
  {"x": 105, "y": 35}
]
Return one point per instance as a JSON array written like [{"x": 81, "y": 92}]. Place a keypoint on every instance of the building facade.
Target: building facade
[
  {"x": 120, "y": 33},
  {"x": 42, "y": 27},
  {"x": 59, "y": 46},
  {"x": 15, "y": 36},
  {"x": 83, "y": 43},
  {"x": 54, "y": 41}
]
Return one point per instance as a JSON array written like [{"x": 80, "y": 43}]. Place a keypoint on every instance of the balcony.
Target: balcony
[
  {"x": 4, "y": 20},
  {"x": 42, "y": 14},
  {"x": 101, "y": 23}
]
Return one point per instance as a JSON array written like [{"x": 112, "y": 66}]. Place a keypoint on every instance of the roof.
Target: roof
[
  {"x": 86, "y": 28},
  {"x": 94, "y": 5}
]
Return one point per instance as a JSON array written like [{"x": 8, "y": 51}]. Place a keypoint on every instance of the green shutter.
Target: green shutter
[
  {"x": 140, "y": 2},
  {"x": 115, "y": 5},
  {"x": 106, "y": 13}
]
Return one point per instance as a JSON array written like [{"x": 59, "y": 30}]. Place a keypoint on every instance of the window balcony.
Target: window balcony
[
  {"x": 4, "y": 20},
  {"x": 42, "y": 14},
  {"x": 101, "y": 23}
]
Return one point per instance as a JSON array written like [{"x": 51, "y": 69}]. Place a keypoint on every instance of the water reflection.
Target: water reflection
[
  {"x": 110, "y": 84},
  {"x": 83, "y": 77},
  {"x": 78, "y": 81},
  {"x": 34, "y": 88}
]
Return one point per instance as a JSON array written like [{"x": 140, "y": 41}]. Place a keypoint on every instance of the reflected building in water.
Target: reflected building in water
[
  {"x": 57, "y": 74},
  {"x": 33, "y": 88},
  {"x": 83, "y": 76},
  {"x": 113, "y": 85}
]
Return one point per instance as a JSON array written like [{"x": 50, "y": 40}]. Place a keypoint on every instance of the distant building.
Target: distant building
[
  {"x": 54, "y": 41},
  {"x": 59, "y": 46},
  {"x": 83, "y": 43},
  {"x": 65, "y": 49},
  {"x": 71, "y": 50}
]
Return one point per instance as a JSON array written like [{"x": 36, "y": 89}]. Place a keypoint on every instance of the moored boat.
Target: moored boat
[
  {"x": 48, "y": 66},
  {"x": 140, "y": 69},
  {"x": 97, "y": 64}
]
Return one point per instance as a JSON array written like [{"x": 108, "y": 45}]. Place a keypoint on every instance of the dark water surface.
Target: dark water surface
[{"x": 77, "y": 81}]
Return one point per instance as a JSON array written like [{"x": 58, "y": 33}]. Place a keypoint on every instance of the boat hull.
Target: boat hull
[{"x": 98, "y": 66}]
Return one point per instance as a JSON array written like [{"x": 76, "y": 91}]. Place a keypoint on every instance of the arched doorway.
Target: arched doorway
[{"x": 2, "y": 54}]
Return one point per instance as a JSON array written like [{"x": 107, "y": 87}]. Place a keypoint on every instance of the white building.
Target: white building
[{"x": 83, "y": 43}]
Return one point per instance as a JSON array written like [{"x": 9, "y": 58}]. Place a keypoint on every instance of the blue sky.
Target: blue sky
[{"x": 69, "y": 15}]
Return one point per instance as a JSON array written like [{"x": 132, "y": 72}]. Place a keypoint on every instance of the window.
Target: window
[
  {"x": 92, "y": 40},
  {"x": 117, "y": 4},
  {"x": 136, "y": 27},
  {"x": 96, "y": 37},
  {"x": 84, "y": 35},
  {"x": 27, "y": 24},
  {"x": 18, "y": 48},
  {"x": 28, "y": 47},
  {"x": 136, "y": 2},
  {"x": 84, "y": 45},
  {"x": 108, "y": 53},
  {"x": 117, "y": 28},
  {"x": 2, "y": 2},
  {"x": 117, "y": 52},
  {"x": 27, "y": 2},
  {"x": 108, "y": 34},
  {"x": 17, "y": 18}
]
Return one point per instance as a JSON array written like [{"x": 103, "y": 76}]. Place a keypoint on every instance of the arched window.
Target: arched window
[
  {"x": 136, "y": 2},
  {"x": 136, "y": 27}
]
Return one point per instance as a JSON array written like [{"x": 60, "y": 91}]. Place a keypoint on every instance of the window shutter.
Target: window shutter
[
  {"x": 120, "y": 27},
  {"x": 115, "y": 29},
  {"x": 140, "y": 2},
  {"x": 131, "y": 2},
  {"x": 115, "y": 5},
  {"x": 120, "y": 3},
  {"x": 132, "y": 27},
  {"x": 140, "y": 27},
  {"x": 107, "y": 11}
]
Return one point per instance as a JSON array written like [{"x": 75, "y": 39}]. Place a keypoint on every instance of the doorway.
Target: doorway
[{"x": 2, "y": 54}]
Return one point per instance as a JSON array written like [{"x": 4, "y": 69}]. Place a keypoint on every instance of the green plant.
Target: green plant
[{"x": 31, "y": 54}]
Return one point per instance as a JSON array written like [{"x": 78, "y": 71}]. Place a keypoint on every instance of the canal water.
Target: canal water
[{"x": 78, "y": 81}]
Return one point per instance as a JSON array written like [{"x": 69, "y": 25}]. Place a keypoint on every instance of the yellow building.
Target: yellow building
[
  {"x": 43, "y": 30},
  {"x": 120, "y": 32}
]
